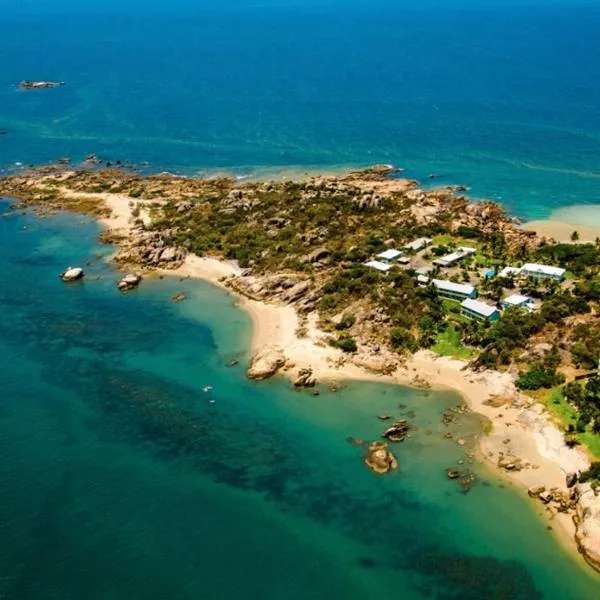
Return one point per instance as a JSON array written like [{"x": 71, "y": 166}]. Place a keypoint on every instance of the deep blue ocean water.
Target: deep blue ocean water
[
  {"x": 503, "y": 99},
  {"x": 121, "y": 478}
]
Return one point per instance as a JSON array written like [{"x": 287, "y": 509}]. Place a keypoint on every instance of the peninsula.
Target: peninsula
[{"x": 367, "y": 275}]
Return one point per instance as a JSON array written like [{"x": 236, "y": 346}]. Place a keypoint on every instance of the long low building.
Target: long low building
[
  {"x": 418, "y": 244},
  {"x": 537, "y": 271},
  {"x": 389, "y": 255},
  {"x": 534, "y": 270},
  {"x": 449, "y": 289},
  {"x": 474, "y": 309},
  {"x": 450, "y": 259},
  {"x": 379, "y": 266}
]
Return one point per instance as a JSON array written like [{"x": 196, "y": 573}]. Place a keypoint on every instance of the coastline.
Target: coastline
[{"x": 520, "y": 428}]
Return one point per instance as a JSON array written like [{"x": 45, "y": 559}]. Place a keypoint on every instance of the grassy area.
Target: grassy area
[
  {"x": 449, "y": 344},
  {"x": 557, "y": 406},
  {"x": 592, "y": 442},
  {"x": 444, "y": 240},
  {"x": 565, "y": 414}
]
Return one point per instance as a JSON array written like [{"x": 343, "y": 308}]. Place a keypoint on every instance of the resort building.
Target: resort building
[
  {"x": 541, "y": 272},
  {"x": 449, "y": 289},
  {"x": 474, "y": 309},
  {"x": 450, "y": 259},
  {"x": 418, "y": 244},
  {"x": 380, "y": 266},
  {"x": 389, "y": 256},
  {"x": 517, "y": 300}
]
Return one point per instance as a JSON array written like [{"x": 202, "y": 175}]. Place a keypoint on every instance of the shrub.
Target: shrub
[
  {"x": 537, "y": 377},
  {"x": 346, "y": 322},
  {"x": 347, "y": 344},
  {"x": 402, "y": 339},
  {"x": 469, "y": 232},
  {"x": 592, "y": 474}
]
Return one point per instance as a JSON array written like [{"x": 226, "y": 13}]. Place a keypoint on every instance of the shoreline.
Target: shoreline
[
  {"x": 521, "y": 430},
  {"x": 533, "y": 437}
]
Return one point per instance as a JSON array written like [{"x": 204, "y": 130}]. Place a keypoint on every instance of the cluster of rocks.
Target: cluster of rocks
[
  {"x": 398, "y": 431},
  {"x": 305, "y": 378},
  {"x": 379, "y": 458},
  {"x": 238, "y": 199},
  {"x": 561, "y": 500},
  {"x": 149, "y": 248},
  {"x": 509, "y": 462},
  {"x": 451, "y": 414},
  {"x": 128, "y": 282},
  {"x": 465, "y": 478}
]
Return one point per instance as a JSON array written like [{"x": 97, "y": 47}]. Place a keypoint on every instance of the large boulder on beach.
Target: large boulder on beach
[
  {"x": 587, "y": 520},
  {"x": 266, "y": 362},
  {"x": 296, "y": 292},
  {"x": 72, "y": 274},
  {"x": 379, "y": 459},
  {"x": 571, "y": 479}
]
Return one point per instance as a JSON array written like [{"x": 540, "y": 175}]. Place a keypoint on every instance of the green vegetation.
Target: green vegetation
[
  {"x": 345, "y": 343},
  {"x": 558, "y": 405},
  {"x": 592, "y": 474},
  {"x": 574, "y": 257},
  {"x": 402, "y": 340},
  {"x": 449, "y": 343},
  {"x": 585, "y": 397},
  {"x": 542, "y": 373}
]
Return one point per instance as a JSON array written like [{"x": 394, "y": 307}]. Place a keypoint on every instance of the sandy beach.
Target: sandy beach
[
  {"x": 562, "y": 231},
  {"x": 520, "y": 428}
]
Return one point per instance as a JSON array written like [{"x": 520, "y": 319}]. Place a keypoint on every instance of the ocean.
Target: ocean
[
  {"x": 122, "y": 475},
  {"x": 503, "y": 99}
]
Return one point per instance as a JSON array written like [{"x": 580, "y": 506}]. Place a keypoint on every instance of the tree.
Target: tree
[{"x": 402, "y": 339}]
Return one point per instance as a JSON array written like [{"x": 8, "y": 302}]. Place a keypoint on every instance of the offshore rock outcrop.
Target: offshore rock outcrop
[
  {"x": 72, "y": 274},
  {"x": 128, "y": 282},
  {"x": 39, "y": 85},
  {"x": 379, "y": 459}
]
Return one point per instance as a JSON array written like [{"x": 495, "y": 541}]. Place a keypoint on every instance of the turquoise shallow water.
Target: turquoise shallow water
[
  {"x": 503, "y": 99},
  {"x": 120, "y": 479}
]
